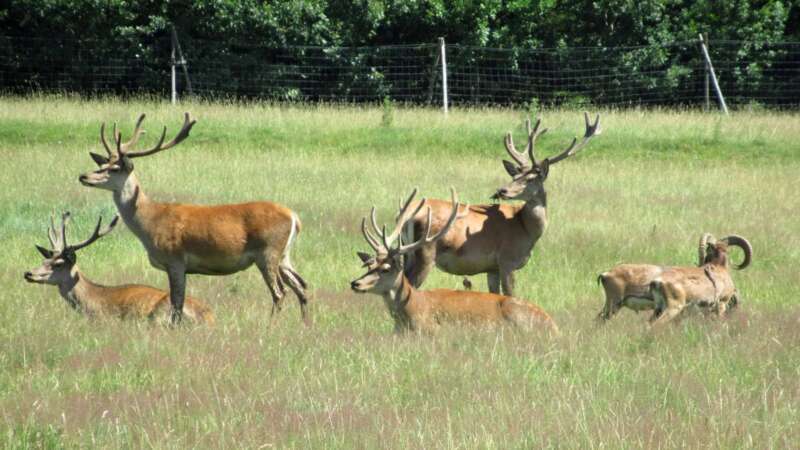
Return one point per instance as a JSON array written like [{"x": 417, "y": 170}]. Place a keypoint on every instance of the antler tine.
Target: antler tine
[
  {"x": 52, "y": 234},
  {"x": 520, "y": 158},
  {"x": 64, "y": 219},
  {"x": 532, "y": 136},
  {"x": 403, "y": 216},
  {"x": 118, "y": 139},
  {"x": 96, "y": 234},
  {"x": 188, "y": 123},
  {"x": 370, "y": 239},
  {"x": 137, "y": 131},
  {"x": 103, "y": 139},
  {"x": 374, "y": 221},
  {"x": 427, "y": 238},
  {"x": 591, "y": 131}
]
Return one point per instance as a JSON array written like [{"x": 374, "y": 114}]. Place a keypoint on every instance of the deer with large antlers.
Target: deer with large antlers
[
  {"x": 414, "y": 310},
  {"x": 185, "y": 239},
  {"x": 60, "y": 268},
  {"x": 494, "y": 239},
  {"x": 668, "y": 291}
]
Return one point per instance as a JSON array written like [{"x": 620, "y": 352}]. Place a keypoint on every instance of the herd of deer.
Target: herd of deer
[{"x": 495, "y": 239}]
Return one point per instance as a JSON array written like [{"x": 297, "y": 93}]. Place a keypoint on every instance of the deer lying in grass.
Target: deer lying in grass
[
  {"x": 668, "y": 291},
  {"x": 414, "y": 310},
  {"x": 60, "y": 268},
  {"x": 185, "y": 239},
  {"x": 493, "y": 239}
]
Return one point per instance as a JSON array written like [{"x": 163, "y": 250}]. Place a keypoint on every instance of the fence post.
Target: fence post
[
  {"x": 443, "y": 53},
  {"x": 714, "y": 81},
  {"x": 172, "y": 70},
  {"x": 176, "y": 51},
  {"x": 707, "y": 82}
]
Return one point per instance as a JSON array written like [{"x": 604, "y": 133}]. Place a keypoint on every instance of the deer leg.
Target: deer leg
[
  {"x": 177, "y": 291},
  {"x": 507, "y": 283},
  {"x": 269, "y": 273},
  {"x": 419, "y": 266},
  {"x": 614, "y": 299},
  {"x": 297, "y": 285},
  {"x": 493, "y": 281}
]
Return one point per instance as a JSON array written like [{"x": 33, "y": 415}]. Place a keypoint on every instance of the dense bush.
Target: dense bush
[{"x": 138, "y": 32}]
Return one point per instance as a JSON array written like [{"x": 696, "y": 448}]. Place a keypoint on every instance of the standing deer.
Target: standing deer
[
  {"x": 185, "y": 239},
  {"x": 60, "y": 268},
  {"x": 493, "y": 239},
  {"x": 414, "y": 310}
]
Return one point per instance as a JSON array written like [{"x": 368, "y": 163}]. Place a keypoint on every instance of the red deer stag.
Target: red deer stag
[
  {"x": 414, "y": 310},
  {"x": 60, "y": 268},
  {"x": 185, "y": 239},
  {"x": 493, "y": 239}
]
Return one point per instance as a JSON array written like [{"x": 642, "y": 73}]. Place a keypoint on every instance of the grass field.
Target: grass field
[{"x": 643, "y": 191}]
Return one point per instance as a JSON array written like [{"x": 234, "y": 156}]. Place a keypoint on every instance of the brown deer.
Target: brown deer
[
  {"x": 60, "y": 268},
  {"x": 185, "y": 239},
  {"x": 668, "y": 291},
  {"x": 414, "y": 310},
  {"x": 494, "y": 239}
]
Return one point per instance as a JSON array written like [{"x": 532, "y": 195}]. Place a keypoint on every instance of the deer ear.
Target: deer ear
[
  {"x": 365, "y": 257},
  {"x": 98, "y": 159},
  {"x": 45, "y": 252},
  {"x": 511, "y": 168}
]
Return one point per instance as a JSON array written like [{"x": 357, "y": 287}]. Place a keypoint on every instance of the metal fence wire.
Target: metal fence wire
[{"x": 670, "y": 74}]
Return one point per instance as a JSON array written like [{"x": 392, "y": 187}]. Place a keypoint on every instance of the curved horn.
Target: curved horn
[
  {"x": 702, "y": 246},
  {"x": 742, "y": 243}
]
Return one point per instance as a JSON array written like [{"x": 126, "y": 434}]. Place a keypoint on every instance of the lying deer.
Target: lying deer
[
  {"x": 668, "y": 291},
  {"x": 185, "y": 239},
  {"x": 493, "y": 239},
  {"x": 60, "y": 268},
  {"x": 415, "y": 310}
]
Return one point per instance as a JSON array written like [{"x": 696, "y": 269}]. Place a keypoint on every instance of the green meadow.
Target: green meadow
[{"x": 642, "y": 191}]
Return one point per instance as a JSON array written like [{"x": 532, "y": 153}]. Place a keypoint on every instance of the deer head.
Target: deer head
[
  {"x": 713, "y": 251},
  {"x": 385, "y": 267},
  {"x": 527, "y": 173},
  {"x": 113, "y": 170},
  {"x": 60, "y": 260}
]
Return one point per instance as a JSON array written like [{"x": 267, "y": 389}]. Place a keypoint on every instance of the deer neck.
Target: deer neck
[
  {"x": 533, "y": 215},
  {"x": 131, "y": 202},
  {"x": 78, "y": 291},
  {"x": 399, "y": 300}
]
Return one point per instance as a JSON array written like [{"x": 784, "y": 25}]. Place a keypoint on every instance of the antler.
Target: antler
[
  {"x": 58, "y": 237},
  {"x": 520, "y": 157},
  {"x": 591, "y": 131},
  {"x": 96, "y": 234},
  {"x": 427, "y": 238},
  {"x": 188, "y": 123},
  {"x": 381, "y": 242},
  {"x": 137, "y": 131}
]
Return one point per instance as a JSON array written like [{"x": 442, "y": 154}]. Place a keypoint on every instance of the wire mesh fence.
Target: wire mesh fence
[{"x": 672, "y": 73}]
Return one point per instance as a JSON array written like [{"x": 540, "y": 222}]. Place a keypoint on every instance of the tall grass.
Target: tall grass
[{"x": 642, "y": 191}]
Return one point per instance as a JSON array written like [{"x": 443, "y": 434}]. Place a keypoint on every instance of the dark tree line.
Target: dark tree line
[{"x": 76, "y": 37}]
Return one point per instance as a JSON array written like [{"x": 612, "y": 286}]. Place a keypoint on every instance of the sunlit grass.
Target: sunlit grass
[{"x": 643, "y": 191}]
